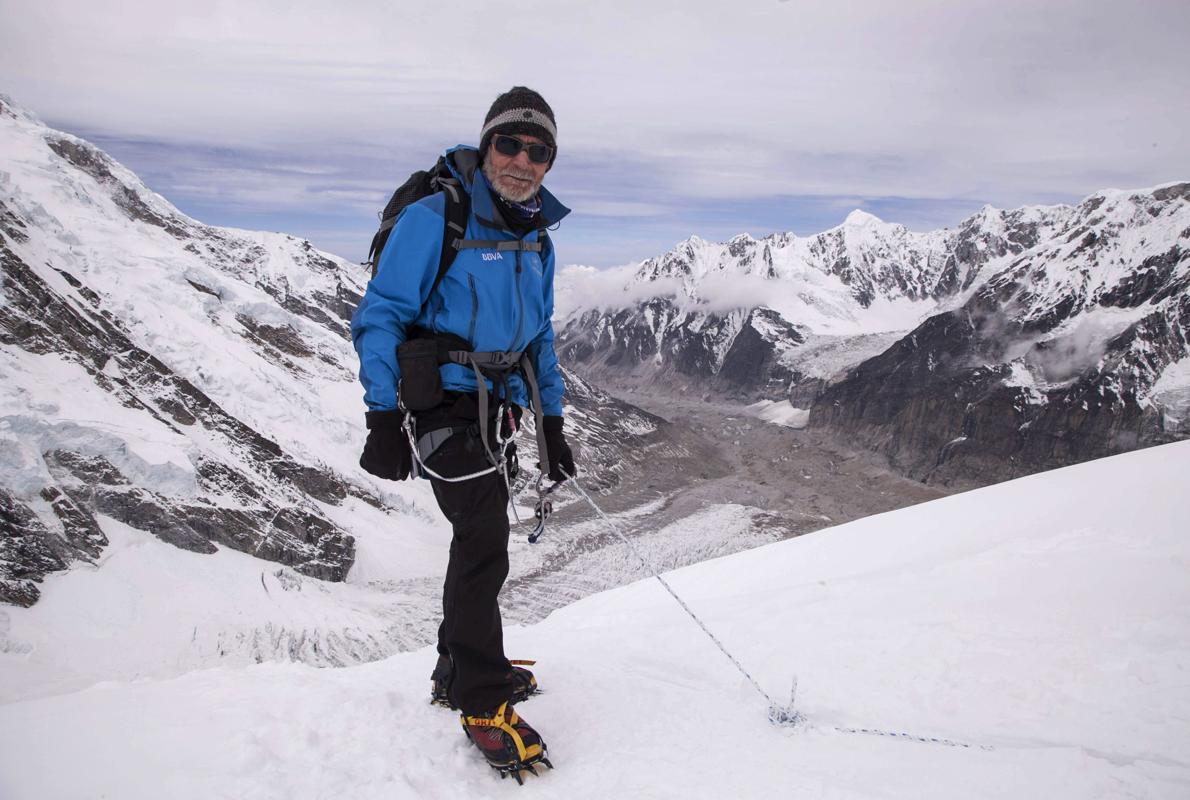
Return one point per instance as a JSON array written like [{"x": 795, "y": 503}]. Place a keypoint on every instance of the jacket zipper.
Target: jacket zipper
[
  {"x": 520, "y": 301},
  {"x": 474, "y": 309}
]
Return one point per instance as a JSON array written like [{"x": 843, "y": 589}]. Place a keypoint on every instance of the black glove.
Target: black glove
[
  {"x": 386, "y": 453},
  {"x": 558, "y": 450}
]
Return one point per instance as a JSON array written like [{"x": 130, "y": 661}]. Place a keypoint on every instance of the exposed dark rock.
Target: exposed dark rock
[
  {"x": 19, "y": 593},
  {"x": 137, "y": 209},
  {"x": 365, "y": 495},
  {"x": 1145, "y": 281},
  {"x": 98, "y": 166},
  {"x": 290, "y": 535},
  {"x": 1177, "y": 190},
  {"x": 317, "y": 315},
  {"x": 148, "y": 511},
  {"x": 93, "y": 470},
  {"x": 924, "y": 404},
  {"x": 332, "y": 553},
  {"x": 804, "y": 390},
  {"x": 28, "y": 552},
  {"x": 204, "y": 289},
  {"x": 79, "y": 526},
  {"x": 613, "y": 437},
  {"x": 176, "y": 410},
  {"x": 218, "y": 478},
  {"x": 283, "y": 338},
  {"x": 1054, "y": 316},
  {"x": 750, "y": 369},
  {"x": 83, "y": 156},
  {"x": 238, "y": 528},
  {"x": 1008, "y": 384},
  {"x": 11, "y": 225},
  {"x": 726, "y": 352},
  {"x": 315, "y": 481}
]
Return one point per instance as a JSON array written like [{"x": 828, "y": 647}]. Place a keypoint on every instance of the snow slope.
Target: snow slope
[{"x": 1043, "y": 622}]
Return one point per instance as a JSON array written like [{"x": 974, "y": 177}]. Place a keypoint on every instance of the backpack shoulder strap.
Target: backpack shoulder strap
[{"x": 454, "y": 225}]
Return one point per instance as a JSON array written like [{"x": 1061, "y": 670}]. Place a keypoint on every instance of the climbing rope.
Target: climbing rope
[
  {"x": 780, "y": 715},
  {"x": 777, "y": 714}
]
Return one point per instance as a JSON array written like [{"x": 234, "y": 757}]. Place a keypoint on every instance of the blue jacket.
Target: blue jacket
[{"x": 497, "y": 300}]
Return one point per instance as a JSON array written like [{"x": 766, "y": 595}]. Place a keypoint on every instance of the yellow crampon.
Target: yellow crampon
[
  {"x": 501, "y": 737},
  {"x": 525, "y": 754}
]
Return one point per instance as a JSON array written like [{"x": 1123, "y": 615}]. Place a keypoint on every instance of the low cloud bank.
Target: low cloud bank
[{"x": 578, "y": 289}]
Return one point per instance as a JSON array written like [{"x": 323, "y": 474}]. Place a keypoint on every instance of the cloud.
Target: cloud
[
  {"x": 1069, "y": 352},
  {"x": 251, "y": 179},
  {"x": 661, "y": 107},
  {"x": 721, "y": 292},
  {"x": 579, "y": 288}
]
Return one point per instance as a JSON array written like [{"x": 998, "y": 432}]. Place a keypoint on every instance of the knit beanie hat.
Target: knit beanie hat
[{"x": 520, "y": 110}]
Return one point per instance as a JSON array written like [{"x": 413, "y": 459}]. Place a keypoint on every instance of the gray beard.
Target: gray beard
[{"x": 515, "y": 197}]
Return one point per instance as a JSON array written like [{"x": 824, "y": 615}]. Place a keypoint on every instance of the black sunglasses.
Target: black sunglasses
[{"x": 510, "y": 146}]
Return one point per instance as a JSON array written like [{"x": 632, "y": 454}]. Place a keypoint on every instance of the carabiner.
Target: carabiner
[{"x": 542, "y": 510}]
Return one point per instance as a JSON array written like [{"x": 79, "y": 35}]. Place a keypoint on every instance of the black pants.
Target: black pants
[{"x": 471, "y": 633}]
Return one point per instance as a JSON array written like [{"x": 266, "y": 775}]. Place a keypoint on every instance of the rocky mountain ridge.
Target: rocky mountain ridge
[
  {"x": 1056, "y": 358},
  {"x": 1044, "y": 299},
  {"x": 107, "y": 290}
]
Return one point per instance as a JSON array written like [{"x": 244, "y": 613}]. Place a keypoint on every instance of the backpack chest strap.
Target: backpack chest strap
[{"x": 497, "y": 244}]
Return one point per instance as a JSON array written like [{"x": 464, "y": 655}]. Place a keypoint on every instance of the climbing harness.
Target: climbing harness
[{"x": 495, "y": 367}]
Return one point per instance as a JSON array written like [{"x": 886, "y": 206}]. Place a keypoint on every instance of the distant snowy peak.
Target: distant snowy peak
[
  {"x": 876, "y": 260},
  {"x": 880, "y": 260},
  {"x": 1021, "y": 339},
  {"x": 1116, "y": 249},
  {"x": 861, "y": 219},
  {"x": 864, "y": 252},
  {"x": 682, "y": 312}
]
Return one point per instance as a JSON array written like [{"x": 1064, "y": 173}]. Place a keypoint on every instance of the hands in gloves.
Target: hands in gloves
[
  {"x": 561, "y": 460},
  {"x": 386, "y": 452}
]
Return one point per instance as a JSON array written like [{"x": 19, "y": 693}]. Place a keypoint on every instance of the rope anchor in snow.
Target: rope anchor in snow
[{"x": 784, "y": 716}]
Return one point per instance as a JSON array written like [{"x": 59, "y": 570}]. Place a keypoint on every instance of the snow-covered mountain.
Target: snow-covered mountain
[
  {"x": 874, "y": 327},
  {"x": 194, "y": 381},
  {"x": 1077, "y": 348},
  {"x": 1035, "y": 630},
  {"x": 162, "y": 372}
]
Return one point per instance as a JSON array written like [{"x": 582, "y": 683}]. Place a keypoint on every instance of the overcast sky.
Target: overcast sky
[{"x": 675, "y": 118}]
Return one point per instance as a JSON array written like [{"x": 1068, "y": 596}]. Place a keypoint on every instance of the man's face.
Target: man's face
[{"x": 516, "y": 178}]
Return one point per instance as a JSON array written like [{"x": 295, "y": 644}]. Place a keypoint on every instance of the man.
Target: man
[{"x": 456, "y": 331}]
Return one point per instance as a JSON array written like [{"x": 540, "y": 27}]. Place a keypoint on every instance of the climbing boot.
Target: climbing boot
[
  {"x": 524, "y": 685},
  {"x": 509, "y": 743}
]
